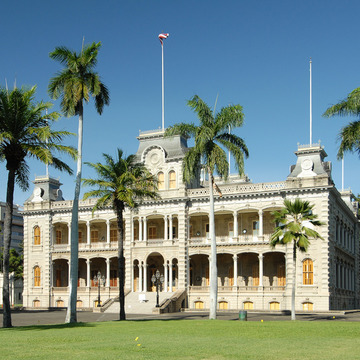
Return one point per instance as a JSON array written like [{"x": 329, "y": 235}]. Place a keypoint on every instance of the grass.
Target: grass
[{"x": 184, "y": 339}]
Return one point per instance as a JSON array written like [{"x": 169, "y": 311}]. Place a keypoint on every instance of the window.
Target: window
[
  {"x": 94, "y": 236},
  {"x": 231, "y": 276},
  {"x": 79, "y": 304},
  {"x": 113, "y": 277},
  {"x": 255, "y": 228},
  {"x": 223, "y": 305},
  {"x": 199, "y": 305},
  {"x": 248, "y": 305},
  {"x": 58, "y": 236},
  {"x": 308, "y": 274},
  {"x": 60, "y": 303},
  {"x": 207, "y": 276},
  {"x": 36, "y": 276},
  {"x": 207, "y": 231},
  {"x": 191, "y": 234},
  {"x": 281, "y": 277},
  {"x": 161, "y": 181},
  {"x": 36, "y": 303},
  {"x": 113, "y": 235},
  {"x": 274, "y": 305},
  {"x": 308, "y": 306},
  {"x": 136, "y": 233},
  {"x": 80, "y": 237},
  {"x": 172, "y": 180},
  {"x": 231, "y": 228},
  {"x": 36, "y": 235},
  {"x": 152, "y": 232}
]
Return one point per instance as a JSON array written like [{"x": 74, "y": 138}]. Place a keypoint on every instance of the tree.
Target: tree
[
  {"x": 16, "y": 263},
  {"x": 211, "y": 136},
  {"x": 75, "y": 84},
  {"x": 294, "y": 225},
  {"x": 350, "y": 134},
  {"x": 120, "y": 182},
  {"x": 25, "y": 132}
]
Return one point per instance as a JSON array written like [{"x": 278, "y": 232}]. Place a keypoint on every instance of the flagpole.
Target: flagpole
[
  {"x": 310, "y": 105},
  {"x": 47, "y": 164},
  {"x": 229, "y": 150},
  {"x": 162, "y": 87}
]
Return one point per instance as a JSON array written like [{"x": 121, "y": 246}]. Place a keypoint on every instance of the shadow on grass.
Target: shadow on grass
[{"x": 50, "y": 327}]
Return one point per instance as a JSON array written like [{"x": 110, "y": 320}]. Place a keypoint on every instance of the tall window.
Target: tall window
[
  {"x": 308, "y": 272},
  {"x": 36, "y": 276},
  {"x": 161, "y": 181},
  {"x": 231, "y": 228},
  {"x": 58, "y": 236},
  {"x": 80, "y": 237},
  {"x": 113, "y": 235},
  {"x": 172, "y": 179},
  {"x": 281, "y": 276},
  {"x": 255, "y": 228},
  {"x": 152, "y": 232},
  {"x": 255, "y": 275},
  {"x": 94, "y": 236},
  {"x": 37, "y": 235}
]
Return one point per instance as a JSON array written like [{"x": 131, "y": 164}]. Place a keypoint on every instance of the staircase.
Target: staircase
[{"x": 138, "y": 303}]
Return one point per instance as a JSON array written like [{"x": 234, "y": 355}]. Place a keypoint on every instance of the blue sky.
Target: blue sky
[{"x": 252, "y": 53}]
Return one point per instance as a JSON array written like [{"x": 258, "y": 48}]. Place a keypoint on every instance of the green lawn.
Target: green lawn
[{"x": 184, "y": 339}]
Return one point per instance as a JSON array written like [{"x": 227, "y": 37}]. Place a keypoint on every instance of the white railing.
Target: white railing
[{"x": 240, "y": 188}]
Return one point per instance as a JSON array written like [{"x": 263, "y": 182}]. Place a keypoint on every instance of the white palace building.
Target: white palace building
[{"x": 171, "y": 235}]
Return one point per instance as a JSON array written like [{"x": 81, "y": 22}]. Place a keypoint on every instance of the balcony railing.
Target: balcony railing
[
  {"x": 247, "y": 239},
  {"x": 239, "y": 289}
]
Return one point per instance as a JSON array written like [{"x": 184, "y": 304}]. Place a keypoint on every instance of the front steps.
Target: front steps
[{"x": 139, "y": 303}]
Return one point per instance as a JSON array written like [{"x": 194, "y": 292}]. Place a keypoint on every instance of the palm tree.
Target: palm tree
[
  {"x": 350, "y": 134},
  {"x": 293, "y": 222},
  {"x": 121, "y": 183},
  {"x": 74, "y": 84},
  {"x": 210, "y": 138},
  {"x": 25, "y": 132}
]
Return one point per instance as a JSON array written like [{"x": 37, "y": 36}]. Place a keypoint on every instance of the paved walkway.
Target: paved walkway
[{"x": 33, "y": 317}]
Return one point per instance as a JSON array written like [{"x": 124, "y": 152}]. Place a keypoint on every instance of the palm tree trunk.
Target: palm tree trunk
[
  {"x": 293, "y": 284},
  {"x": 121, "y": 260},
  {"x": 7, "y": 241},
  {"x": 213, "y": 266},
  {"x": 74, "y": 244}
]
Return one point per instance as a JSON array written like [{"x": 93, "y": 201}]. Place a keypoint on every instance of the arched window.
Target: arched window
[
  {"x": 308, "y": 272},
  {"x": 36, "y": 303},
  {"x": 172, "y": 179},
  {"x": 37, "y": 239},
  {"x": 248, "y": 305},
  {"x": 161, "y": 181},
  {"x": 308, "y": 306},
  {"x": 58, "y": 236},
  {"x": 274, "y": 305},
  {"x": 199, "y": 305},
  {"x": 79, "y": 304},
  {"x": 60, "y": 303},
  {"x": 36, "y": 276},
  {"x": 223, "y": 305}
]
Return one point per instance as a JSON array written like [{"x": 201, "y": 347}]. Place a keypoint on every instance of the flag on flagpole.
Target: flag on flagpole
[{"x": 163, "y": 37}]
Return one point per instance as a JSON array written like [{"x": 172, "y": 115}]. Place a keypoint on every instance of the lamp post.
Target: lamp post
[
  {"x": 100, "y": 280},
  {"x": 157, "y": 279}
]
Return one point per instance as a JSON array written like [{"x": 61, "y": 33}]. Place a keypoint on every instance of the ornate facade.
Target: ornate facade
[{"x": 171, "y": 235}]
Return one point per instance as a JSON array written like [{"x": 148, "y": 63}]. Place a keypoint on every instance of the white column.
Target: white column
[
  {"x": 236, "y": 230},
  {"x": 261, "y": 266},
  {"x": 140, "y": 278},
  {"x": 145, "y": 229},
  {"x": 165, "y": 276},
  {"x": 145, "y": 277},
  {"x": 88, "y": 232},
  {"x": 108, "y": 231},
  {"x": 165, "y": 227},
  {"x": 107, "y": 272},
  {"x": 261, "y": 223},
  {"x": 171, "y": 228},
  {"x": 69, "y": 233},
  {"x": 170, "y": 276},
  {"x": 140, "y": 229},
  {"x": 235, "y": 258},
  {"x": 88, "y": 262}
]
